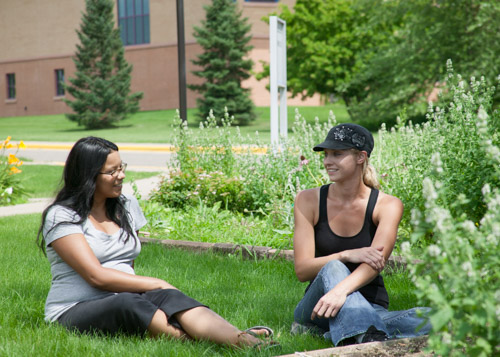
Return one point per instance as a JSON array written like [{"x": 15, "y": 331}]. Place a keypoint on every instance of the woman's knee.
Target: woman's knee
[
  {"x": 334, "y": 268},
  {"x": 125, "y": 300}
]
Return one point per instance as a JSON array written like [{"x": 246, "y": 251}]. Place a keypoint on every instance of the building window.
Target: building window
[
  {"x": 133, "y": 20},
  {"x": 59, "y": 82},
  {"x": 11, "y": 86}
]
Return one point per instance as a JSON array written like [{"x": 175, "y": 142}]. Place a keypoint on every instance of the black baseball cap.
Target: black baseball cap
[{"x": 347, "y": 136}]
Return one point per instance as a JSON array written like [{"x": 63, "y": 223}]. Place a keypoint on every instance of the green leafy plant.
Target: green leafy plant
[
  {"x": 457, "y": 275},
  {"x": 249, "y": 179},
  {"x": 461, "y": 132}
]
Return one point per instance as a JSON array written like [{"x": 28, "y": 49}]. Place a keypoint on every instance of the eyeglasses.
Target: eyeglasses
[{"x": 116, "y": 172}]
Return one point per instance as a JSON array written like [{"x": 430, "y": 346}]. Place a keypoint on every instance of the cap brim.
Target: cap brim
[{"x": 332, "y": 146}]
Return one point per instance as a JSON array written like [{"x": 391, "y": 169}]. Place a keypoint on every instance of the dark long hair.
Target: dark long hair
[{"x": 84, "y": 162}]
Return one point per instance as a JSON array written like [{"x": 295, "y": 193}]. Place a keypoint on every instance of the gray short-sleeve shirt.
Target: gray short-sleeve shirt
[{"x": 68, "y": 288}]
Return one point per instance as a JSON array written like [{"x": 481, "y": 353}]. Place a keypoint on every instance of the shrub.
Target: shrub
[
  {"x": 448, "y": 175},
  {"x": 251, "y": 179},
  {"x": 11, "y": 189},
  {"x": 405, "y": 155},
  {"x": 457, "y": 275}
]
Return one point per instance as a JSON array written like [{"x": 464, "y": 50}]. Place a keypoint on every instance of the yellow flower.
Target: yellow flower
[
  {"x": 9, "y": 146},
  {"x": 20, "y": 163},
  {"x": 7, "y": 140},
  {"x": 12, "y": 159},
  {"x": 14, "y": 170},
  {"x": 21, "y": 145}
]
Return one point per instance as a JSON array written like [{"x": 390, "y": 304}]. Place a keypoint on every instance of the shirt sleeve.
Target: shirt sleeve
[
  {"x": 138, "y": 219},
  {"x": 59, "y": 223}
]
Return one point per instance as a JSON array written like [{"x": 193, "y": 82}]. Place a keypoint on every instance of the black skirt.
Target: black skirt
[{"x": 129, "y": 313}]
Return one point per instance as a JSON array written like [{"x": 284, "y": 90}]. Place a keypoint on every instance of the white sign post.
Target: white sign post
[{"x": 277, "y": 71}]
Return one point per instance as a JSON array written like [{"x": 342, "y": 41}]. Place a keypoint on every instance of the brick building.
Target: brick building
[{"x": 39, "y": 38}]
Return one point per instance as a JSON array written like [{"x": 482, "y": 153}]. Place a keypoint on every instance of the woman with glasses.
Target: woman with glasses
[{"x": 89, "y": 234}]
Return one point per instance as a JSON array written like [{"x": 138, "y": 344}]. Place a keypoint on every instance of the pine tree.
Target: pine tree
[
  {"x": 224, "y": 38},
  {"x": 101, "y": 86}
]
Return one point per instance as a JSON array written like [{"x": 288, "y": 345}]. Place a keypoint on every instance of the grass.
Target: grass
[
  {"x": 43, "y": 181},
  {"x": 217, "y": 225},
  {"x": 144, "y": 127},
  {"x": 245, "y": 292}
]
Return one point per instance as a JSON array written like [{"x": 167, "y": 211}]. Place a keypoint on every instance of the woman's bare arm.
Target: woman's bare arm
[
  {"x": 307, "y": 266},
  {"x": 306, "y": 212},
  {"x": 388, "y": 215},
  {"x": 76, "y": 252}
]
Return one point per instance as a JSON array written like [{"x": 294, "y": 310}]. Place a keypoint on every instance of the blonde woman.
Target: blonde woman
[{"x": 344, "y": 233}]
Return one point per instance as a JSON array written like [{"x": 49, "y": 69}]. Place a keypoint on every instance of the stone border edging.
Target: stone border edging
[
  {"x": 392, "y": 348},
  {"x": 247, "y": 251}
]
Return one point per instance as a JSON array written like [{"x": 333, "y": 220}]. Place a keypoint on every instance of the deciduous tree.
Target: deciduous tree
[
  {"x": 329, "y": 43},
  {"x": 385, "y": 57},
  {"x": 412, "y": 64}
]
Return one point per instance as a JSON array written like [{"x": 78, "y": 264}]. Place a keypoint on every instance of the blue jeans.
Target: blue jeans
[{"x": 357, "y": 314}]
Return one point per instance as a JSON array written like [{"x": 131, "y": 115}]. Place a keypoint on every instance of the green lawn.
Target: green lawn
[
  {"x": 245, "y": 292},
  {"x": 143, "y": 127}
]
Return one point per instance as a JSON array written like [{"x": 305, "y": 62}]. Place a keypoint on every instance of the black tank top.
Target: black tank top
[{"x": 327, "y": 242}]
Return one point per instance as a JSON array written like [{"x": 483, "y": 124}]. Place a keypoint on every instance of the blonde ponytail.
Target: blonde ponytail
[{"x": 370, "y": 177}]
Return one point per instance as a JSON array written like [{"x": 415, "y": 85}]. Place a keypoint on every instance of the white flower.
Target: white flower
[
  {"x": 467, "y": 267},
  {"x": 405, "y": 247},
  {"x": 481, "y": 114},
  {"x": 434, "y": 250},
  {"x": 494, "y": 152},
  {"x": 492, "y": 239},
  {"x": 446, "y": 338},
  {"x": 440, "y": 216},
  {"x": 428, "y": 189},
  {"x": 486, "y": 190},
  {"x": 436, "y": 161},
  {"x": 469, "y": 227},
  {"x": 416, "y": 216},
  {"x": 496, "y": 229},
  {"x": 9, "y": 190}
]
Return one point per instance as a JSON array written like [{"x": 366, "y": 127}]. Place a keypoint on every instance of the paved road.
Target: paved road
[{"x": 139, "y": 157}]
